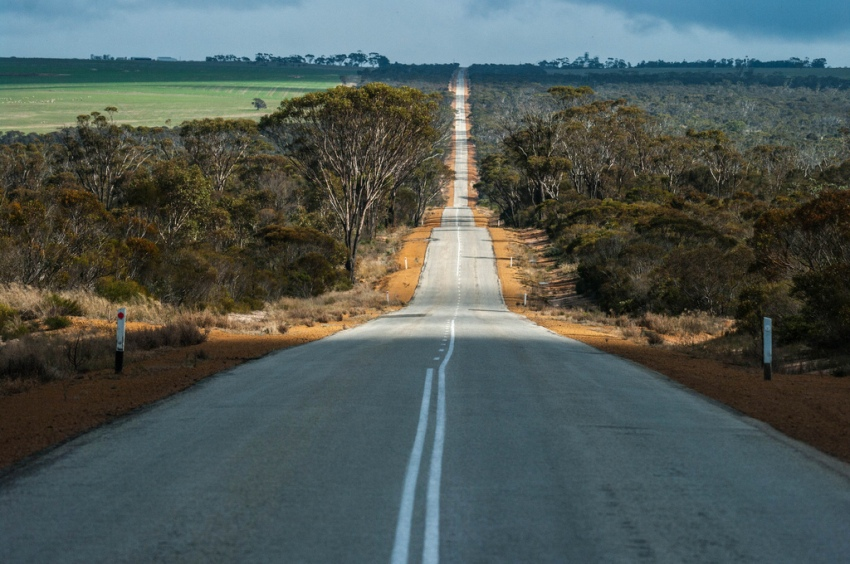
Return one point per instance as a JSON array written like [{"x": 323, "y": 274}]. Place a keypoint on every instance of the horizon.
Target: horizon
[
  {"x": 479, "y": 31},
  {"x": 107, "y": 57}
]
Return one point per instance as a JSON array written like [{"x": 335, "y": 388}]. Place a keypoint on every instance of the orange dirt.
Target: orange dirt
[
  {"x": 811, "y": 408},
  {"x": 402, "y": 283}
]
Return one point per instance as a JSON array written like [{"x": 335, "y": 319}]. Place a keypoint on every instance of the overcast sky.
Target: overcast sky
[{"x": 435, "y": 31}]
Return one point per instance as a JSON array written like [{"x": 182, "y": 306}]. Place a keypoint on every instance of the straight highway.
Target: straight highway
[{"x": 449, "y": 431}]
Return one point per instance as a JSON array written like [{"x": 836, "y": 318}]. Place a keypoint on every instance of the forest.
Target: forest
[{"x": 670, "y": 198}]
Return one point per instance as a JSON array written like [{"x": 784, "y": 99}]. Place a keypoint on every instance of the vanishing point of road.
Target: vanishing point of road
[{"x": 449, "y": 431}]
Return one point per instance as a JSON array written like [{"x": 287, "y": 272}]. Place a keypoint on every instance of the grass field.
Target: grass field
[{"x": 42, "y": 95}]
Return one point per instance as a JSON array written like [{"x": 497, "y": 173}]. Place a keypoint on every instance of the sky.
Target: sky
[{"x": 433, "y": 31}]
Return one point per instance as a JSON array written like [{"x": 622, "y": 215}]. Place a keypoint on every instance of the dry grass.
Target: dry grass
[
  {"x": 31, "y": 354},
  {"x": 687, "y": 325},
  {"x": 375, "y": 258},
  {"x": 36, "y": 302},
  {"x": 656, "y": 329}
]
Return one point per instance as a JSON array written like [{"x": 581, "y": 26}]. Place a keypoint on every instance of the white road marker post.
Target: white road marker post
[
  {"x": 512, "y": 262},
  {"x": 119, "y": 345},
  {"x": 405, "y": 263},
  {"x": 768, "y": 348}
]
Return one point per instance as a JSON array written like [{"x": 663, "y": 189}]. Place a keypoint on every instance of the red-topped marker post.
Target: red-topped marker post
[{"x": 119, "y": 346}]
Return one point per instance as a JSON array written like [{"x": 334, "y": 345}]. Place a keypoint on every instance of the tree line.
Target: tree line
[
  {"x": 220, "y": 213},
  {"x": 587, "y": 62},
  {"x": 357, "y": 59},
  {"x": 667, "y": 223},
  {"x": 663, "y": 76}
]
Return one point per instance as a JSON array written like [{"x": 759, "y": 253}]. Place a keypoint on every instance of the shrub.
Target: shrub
[
  {"x": 8, "y": 317},
  {"x": 88, "y": 351},
  {"x": 12, "y": 325},
  {"x": 30, "y": 358},
  {"x": 653, "y": 338},
  {"x": 119, "y": 290},
  {"x": 57, "y": 305},
  {"x": 179, "y": 334},
  {"x": 57, "y": 322}
]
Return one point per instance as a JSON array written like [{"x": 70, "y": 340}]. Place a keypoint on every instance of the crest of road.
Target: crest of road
[{"x": 451, "y": 431}]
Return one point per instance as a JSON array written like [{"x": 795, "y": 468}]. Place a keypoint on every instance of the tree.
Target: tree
[
  {"x": 775, "y": 163},
  {"x": 810, "y": 245},
  {"x": 102, "y": 154},
  {"x": 593, "y": 141},
  {"x": 23, "y": 166},
  {"x": 719, "y": 156},
  {"x": 427, "y": 184},
  {"x": 356, "y": 145},
  {"x": 537, "y": 149},
  {"x": 501, "y": 183},
  {"x": 219, "y": 145},
  {"x": 183, "y": 195},
  {"x": 259, "y": 103}
]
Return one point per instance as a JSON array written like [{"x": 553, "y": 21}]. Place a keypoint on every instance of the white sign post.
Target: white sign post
[
  {"x": 768, "y": 348},
  {"x": 119, "y": 346}
]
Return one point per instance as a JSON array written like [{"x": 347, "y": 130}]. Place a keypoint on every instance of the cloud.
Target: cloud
[
  {"x": 469, "y": 31},
  {"x": 83, "y": 9},
  {"x": 770, "y": 18}
]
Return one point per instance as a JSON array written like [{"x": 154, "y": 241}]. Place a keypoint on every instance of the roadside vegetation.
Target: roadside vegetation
[
  {"x": 215, "y": 223},
  {"x": 739, "y": 216}
]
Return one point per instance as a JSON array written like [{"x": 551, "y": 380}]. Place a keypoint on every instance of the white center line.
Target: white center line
[
  {"x": 401, "y": 548},
  {"x": 431, "y": 549}
]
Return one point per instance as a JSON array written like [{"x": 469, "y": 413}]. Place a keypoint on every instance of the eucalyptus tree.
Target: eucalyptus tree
[
  {"x": 356, "y": 146},
  {"x": 103, "y": 154},
  {"x": 538, "y": 149},
  {"x": 717, "y": 153},
  {"x": 218, "y": 146},
  {"x": 426, "y": 184}
]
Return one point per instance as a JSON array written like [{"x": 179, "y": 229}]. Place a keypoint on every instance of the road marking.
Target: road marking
[
  {"x": 401, "y": 548},
  {"x": 431, "y": 549},
  {"x": 431, "y": 540}
]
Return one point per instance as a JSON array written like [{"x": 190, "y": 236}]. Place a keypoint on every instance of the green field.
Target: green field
[{"x": 42, "y": 95}]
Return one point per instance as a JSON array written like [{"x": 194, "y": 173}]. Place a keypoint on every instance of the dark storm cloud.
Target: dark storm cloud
[
  {"x": 796, "y": 19},
  {"x": 78, "y": 9}
]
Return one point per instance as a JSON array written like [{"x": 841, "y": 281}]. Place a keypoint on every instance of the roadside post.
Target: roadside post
[
  {"x": 119, "y": 345},
  {"x": 768, "y": 348}
]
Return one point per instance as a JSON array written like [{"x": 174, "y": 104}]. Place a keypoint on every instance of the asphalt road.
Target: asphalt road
[{"x": 449, "y": 431}]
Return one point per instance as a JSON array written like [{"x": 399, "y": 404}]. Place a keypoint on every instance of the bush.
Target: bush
[
  {"x": 11, "y": 323},
  {"x": 30, "y": 358},
  {"x": 57, "y": 305},
  {"x": 57, "y": 322},
  {"x": 119, "y": 291},
  {"x": 826, "y": 297},
  {"x": 178, "y": 334}
]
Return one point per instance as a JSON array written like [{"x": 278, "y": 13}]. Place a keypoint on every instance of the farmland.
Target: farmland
[{"x": 42, "y": 95}]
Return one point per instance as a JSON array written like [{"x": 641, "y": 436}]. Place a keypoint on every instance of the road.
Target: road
[{"x": 449, "y": 431}]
